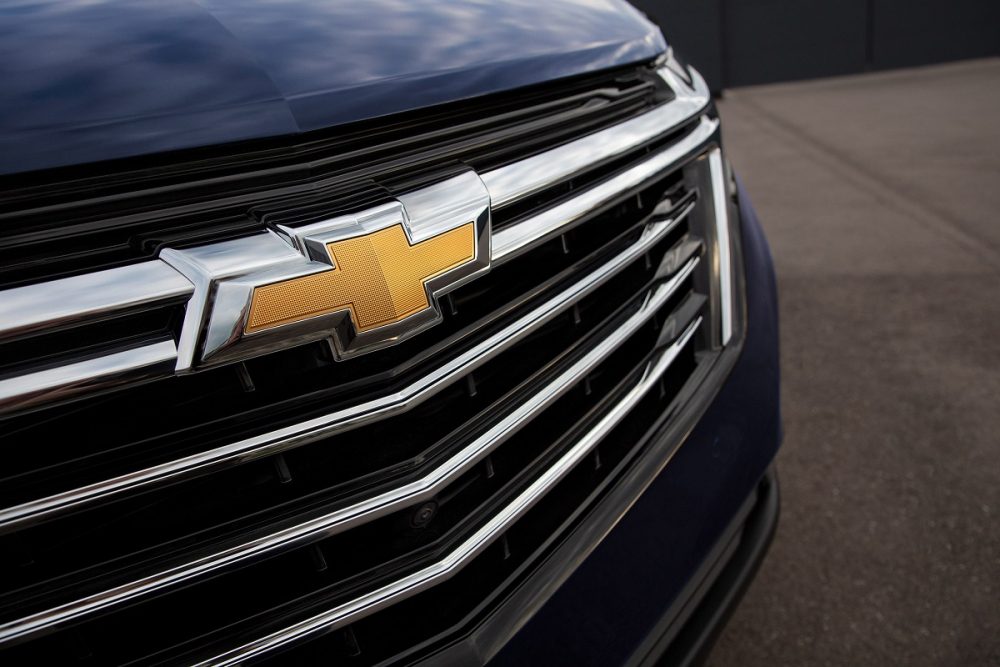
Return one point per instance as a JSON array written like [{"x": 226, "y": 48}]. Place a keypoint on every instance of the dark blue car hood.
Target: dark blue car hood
[{"x": 89, "y": 81}]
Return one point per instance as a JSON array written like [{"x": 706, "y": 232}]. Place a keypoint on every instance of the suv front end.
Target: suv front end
[{"x": 492, "y": 377}]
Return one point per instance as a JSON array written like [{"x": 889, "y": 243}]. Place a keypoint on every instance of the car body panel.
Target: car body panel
[{"x": 87, "y": 82}]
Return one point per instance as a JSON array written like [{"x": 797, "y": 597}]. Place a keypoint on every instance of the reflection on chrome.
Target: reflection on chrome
[
  {"x": 79, "y": 377},
  {"x": 55, "y": 304}
]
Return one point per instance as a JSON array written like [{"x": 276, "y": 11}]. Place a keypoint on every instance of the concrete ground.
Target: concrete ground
[{"x": 881, "y": 198}]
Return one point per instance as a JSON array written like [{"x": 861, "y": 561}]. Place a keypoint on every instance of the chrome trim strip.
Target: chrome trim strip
[
  {"x": 474, "y": 545},
  {"x": 92, "y": 296},
  {"x": 721, "y": 209},
  {"x": 371, "y": 508},
  {"x": 517, "y": 238},
  {"x": 533, "y": 174},
  {"x": 347, "y": 418},
  {"x": 62, "y": 382}
]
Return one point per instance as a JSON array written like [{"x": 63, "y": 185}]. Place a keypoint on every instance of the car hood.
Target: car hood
[{"x": 92, "y": 81}]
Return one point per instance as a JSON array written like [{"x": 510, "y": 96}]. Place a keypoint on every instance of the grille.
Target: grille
[{"x": 294, "y": 506}]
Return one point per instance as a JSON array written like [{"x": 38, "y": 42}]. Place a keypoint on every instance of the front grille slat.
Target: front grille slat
[
  {"x": 526, "y": 177},
  {"x": 131, "y": 365},
  {"x": 517, "y": 238},
  {"x": 95, "y": 297},
  {"x": 602, "y": 304}
]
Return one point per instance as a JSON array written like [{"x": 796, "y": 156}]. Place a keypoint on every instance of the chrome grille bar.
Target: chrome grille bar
[
  {"x": 446, "y": 568},
  {"x": 515, "y": 239},
  {"x": 56, "y": 304},
  {"x": 126, "y": 367},
  {"x": 371, "y": 508},
  {"x": 348, "y": 418},
  {"x": 528, "y": 176},
  {"x": 721, "y": 206}
]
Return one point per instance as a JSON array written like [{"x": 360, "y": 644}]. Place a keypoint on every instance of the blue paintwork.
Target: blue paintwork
[
  {"x": 89, "y": 81},
  {"x": 605, "y": 610}
]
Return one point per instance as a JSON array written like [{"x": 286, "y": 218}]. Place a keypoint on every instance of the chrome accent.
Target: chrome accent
[
  {"x": 720, "y": 205},
  {"x": 371, "y": 508},
  {"x": 354, "y": 416},
  {"x": 517, "y": 238},
  {"x": 94, "y": 296},
  {"x": 62, "y": 382},
  {"x": 444, "y": 569},
  {"x": 206, "y": 265},
  {"x": 544, "y": 170},
  {"x": 675, "y": 67},
  {"x": 225, "y": 275}
]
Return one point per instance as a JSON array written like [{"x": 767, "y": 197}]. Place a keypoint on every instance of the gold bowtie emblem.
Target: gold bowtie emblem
[{"x": 379, "y": 278}]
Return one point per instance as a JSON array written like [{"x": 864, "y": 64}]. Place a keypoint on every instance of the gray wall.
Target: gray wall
[{"x": 744, "y": 42}]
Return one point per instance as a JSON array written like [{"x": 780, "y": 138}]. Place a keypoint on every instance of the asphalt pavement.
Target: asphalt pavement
[{"x": 880, "y": 195}]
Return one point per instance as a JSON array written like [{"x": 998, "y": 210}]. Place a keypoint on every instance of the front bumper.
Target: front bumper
[{"x": 686, "y": 633}]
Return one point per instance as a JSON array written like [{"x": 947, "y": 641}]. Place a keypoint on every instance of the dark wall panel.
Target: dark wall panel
[
  {"x": 920, "y": 32},
  {"x": 745, "y": 42},
  {"x": 779, "y": 40}
]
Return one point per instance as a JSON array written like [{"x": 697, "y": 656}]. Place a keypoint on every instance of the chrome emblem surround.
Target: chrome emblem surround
[{"x": 225, "y": 275}]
